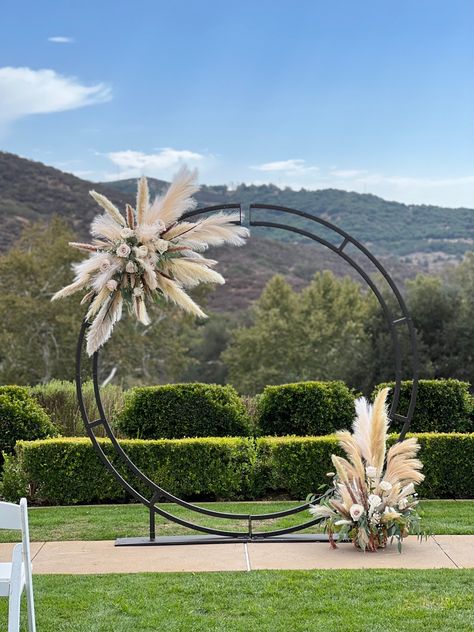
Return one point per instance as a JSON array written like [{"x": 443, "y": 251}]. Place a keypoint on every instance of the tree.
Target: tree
[
  {"x": 317, "y": 334},
  {"x": 38, "y": 338}
]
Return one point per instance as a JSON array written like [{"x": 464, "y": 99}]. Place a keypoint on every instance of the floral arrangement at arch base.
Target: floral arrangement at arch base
[
  {"x": 146, "y": 254},
  {"x": 373, "y": 497}
]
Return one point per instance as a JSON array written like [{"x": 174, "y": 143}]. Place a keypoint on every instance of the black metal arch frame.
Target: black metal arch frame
[{"x": 394, "y": 321}]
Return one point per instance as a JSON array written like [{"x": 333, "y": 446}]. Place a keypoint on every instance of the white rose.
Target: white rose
[
  {"x": 123, "y": 250},
  {"x": 385, "y": 486},
  {"x": 374, "y": 500},
  {"x": 138, "y": 291},
  {"x": 131, "y": 268},
  {"x": 140, "y": 252},
  {"x": 371, "y": 471},
  {"x": 356, "y": 511},
  {"x": 403, "y": 504},
  {"x": 125, "y": 233},
  {"x": 161, "y": 245},
  {"x": 111, "y": 285},
  {"x": 104, "y": 265}
]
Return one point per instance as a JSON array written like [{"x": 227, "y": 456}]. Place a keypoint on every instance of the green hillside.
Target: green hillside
[
  {"x": 388, "y": 227},
  {"x": 406, "y": 239}
]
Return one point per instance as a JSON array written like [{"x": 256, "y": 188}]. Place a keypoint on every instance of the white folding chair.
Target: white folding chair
[{"x": 16, "y": 575}]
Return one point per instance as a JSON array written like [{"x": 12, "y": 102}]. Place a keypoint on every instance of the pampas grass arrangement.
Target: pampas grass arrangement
[
  {"x": 147, "y": 253},
  {"x": 373, "y": 496}
]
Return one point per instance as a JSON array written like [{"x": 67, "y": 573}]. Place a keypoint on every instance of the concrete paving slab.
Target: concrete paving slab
[
  {"x": 459, "y": 548},
  {"x": 320, "y": 556},
  {"x": 6, "y": 550},
  {"x": 89, "y": 558}
]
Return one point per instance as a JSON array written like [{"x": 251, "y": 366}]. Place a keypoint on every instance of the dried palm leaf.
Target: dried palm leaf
[
  {"x": 143, "y": 199},
  {"x": 190, "y": 273},
  {"x": 176, "y": 201},
  {"x": 101, "y": 328},
  {"x": 378, "y": 430},
  {"x": 172, "y": 292},
  {"x": 361, "y": 427},
  {"x": 108, "y": 207},
  {"x": 351, "y": 448}
]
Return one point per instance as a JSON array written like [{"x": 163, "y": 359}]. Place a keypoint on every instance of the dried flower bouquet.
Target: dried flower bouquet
[
  {"x": 373, "y": 497},
  {"x": 146, "y": 254}
]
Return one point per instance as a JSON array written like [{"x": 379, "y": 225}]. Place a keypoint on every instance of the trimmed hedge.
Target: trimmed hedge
[
  {"x": 176, "y": 411},
  {"x": 21, "y": 418},
  {"x": 67, "y": 470},
  {"x": 298, "y": 465},
  {"x": 441, "y": 405},
  {"x": 305, "y": 408}
]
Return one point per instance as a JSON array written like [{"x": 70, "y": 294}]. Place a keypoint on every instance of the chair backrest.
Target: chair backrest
[
  {"x": 25, "y": 533},
  {"x": 10, "y": 516}
]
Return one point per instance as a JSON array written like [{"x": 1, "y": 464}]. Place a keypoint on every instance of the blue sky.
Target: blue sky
[{"x": 371, "y": 96}]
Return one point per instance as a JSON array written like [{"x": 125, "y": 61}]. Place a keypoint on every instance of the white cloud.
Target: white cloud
[
  {"x": 61, "y": 39},
  {"x": 347, "y": 173},
  {"x": 411, "y": 189},
  {"x": 24, "y": 91},
  {"x": 289, "y": 166},
  {"x": 132, "y": 163}
]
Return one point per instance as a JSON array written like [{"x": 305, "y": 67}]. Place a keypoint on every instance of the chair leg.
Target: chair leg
[
  {"x": 16, "y": 588},
  {"x": 14, "y": 605},
  {"x": 31, "y": 604}
]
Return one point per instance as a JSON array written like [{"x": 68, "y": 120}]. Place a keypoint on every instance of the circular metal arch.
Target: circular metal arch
[{"x": 394, "y": 321}]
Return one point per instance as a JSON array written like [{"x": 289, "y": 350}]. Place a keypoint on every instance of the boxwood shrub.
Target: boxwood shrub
[
  {"x": 67, "y": 470},
  {"x": 441, "y": 406},
  {"x": 298, "y": 465},
  {"x": 21, "y": 418},
  {"x": 175, "y": 411},
  {"x": 305, "y": 408}
]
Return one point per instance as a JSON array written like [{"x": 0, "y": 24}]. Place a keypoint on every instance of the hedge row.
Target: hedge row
[
  {"x": 21, "y": 418},
  {"x": 441, "y": 405},
  {"x": 305, "y": 408},
  {"x": 67, "y": 471},
  {"x": 198, "y": 410},
  {"x": 175, "y": 411}
]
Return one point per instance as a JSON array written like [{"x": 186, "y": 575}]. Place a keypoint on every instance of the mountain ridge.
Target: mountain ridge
[{"x": 31, "y": 191}]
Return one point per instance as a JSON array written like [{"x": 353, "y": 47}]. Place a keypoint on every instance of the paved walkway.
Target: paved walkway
[{"x": 441, "y": 551}]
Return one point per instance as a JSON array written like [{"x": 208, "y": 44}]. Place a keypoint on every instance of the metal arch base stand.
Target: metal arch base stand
[
  {"x": 154, "y": 493},
  {"x": 168, "y": 540}
]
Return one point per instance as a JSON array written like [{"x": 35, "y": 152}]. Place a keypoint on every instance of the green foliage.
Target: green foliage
[
  {"x": 68, "y": 471},
  {"x": 305, "y": 408},
  {"x": 441, "y": 405},
  {"x": 447, "y": 464},
  {"x": 183, "y": 410},
  {"x": 298, "y": 465},
  {"x": 21, "y": 418},
  {"x": 14, "y": 483},
  {"x": 317, "y": 333},
  {"x": 59, "y": 399},
  {"x": 38, "y": 338}
]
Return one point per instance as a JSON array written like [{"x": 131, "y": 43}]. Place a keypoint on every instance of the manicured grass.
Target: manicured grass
[
  {"x": 267, "y": 601},
  {"x": 107, "y": 522}
]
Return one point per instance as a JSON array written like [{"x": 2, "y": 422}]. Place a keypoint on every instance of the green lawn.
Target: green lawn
[
  {"x": 107, "y": 522},
  {"x": 267, "y": 601}
]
